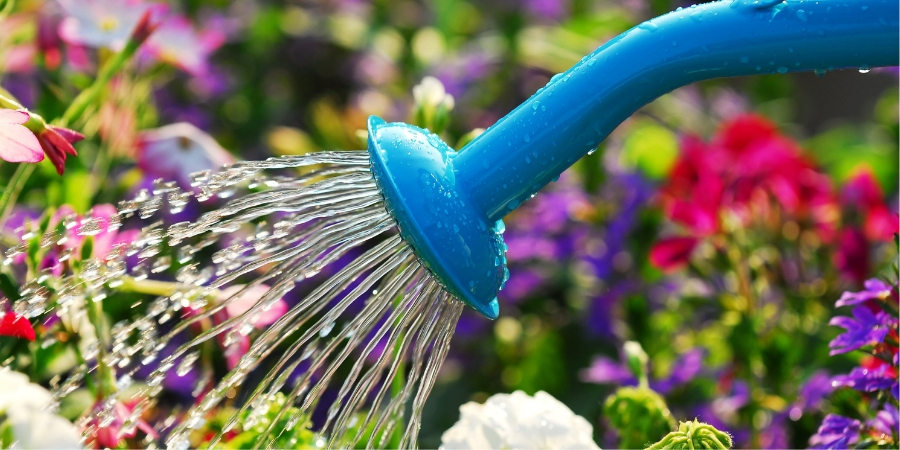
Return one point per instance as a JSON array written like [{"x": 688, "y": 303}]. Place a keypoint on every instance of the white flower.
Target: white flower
[
  {"x": 430, "y": 92},
  {"x": 25, "y": 406},
  {"x": 518, "y": 421}
]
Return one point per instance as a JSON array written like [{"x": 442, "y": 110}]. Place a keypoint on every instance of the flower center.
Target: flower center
[{"x": 109, "y": 23}]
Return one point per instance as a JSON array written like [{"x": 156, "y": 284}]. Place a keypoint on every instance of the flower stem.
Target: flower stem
[
  {"x": 13, "y": 189},
  {"x": 78, "y": 106},
  {"x": 152, "y": 287}
]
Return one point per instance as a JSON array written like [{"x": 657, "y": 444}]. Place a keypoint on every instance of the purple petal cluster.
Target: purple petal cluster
[
  {"x": 836, "y": 432},
  {"x": 864, "y": 328}
]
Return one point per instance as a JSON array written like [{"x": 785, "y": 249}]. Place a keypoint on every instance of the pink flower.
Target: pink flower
[
  {"x": 177, "y": 42},
  {"x": 104, "y": 242},
  {"x": 242, "y": 304},
  {"x": 863, "y": 193},
  {"x": 175, "y": 151},
  {"x": 104, "y": 23},
  {"x": 17, "y": 143},
  {"x": 14, "y": 325},
  {"x": 126, "y": 422},
  {"x": 246, "y": 301}
]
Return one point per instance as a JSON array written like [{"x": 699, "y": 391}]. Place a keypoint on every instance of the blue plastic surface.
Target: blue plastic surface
[
  {"x": 448, "y": 204},
  {"x": 560, "y": 123},
  {"x": 414, "y": 171}
]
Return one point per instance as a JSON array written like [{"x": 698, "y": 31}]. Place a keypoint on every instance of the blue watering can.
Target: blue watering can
[{"x": 449, "y": 204}]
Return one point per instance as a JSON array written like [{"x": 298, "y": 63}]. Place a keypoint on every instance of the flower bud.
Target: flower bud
[
  {"x": 640, "y": 416},
  {"x": 691, "y": 435},
  {"x": 637, "y": 360}
]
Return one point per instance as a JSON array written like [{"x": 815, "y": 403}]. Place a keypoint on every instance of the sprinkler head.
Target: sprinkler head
[{"x": 414, "y": 171}]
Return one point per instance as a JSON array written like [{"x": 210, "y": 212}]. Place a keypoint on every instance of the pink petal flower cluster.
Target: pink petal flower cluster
[
  {"x": 745, "y": 171},
  {"x": 18, "y": 143}
]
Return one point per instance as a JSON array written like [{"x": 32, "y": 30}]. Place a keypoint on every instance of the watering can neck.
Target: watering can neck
[{"x": 569, "y": 117}]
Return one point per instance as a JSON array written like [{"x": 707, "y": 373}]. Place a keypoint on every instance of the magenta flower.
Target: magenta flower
[
  {"x": 17, "y": 143},
  {"x": 104, "y": 23},
  {"x": 864, "y": 328},
  {"x": 836, "y": 432},
  {"x": 175, "y": 151},
  {"x": 177, "y": 42}
]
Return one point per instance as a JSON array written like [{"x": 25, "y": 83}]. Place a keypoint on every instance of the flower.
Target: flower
[
  {"x": 836, "y": 432},
  {"x": 18, "y": 143},
  {"x": 874, "y": 290},
  {"x": 745, "y": 168},
  {"x": 57, "y": 143},
  {"x": 518, "y": 420},
  {"x": 669, "y": 254},
  {"x": 685, "y": 368},
  {"x": 864, "y": 194},
  {"x": 105, "y": 23},
  {"x": 886, "y": 421},
  {"x": 175, "y": 151},
  {"x": 24, "y": 405},
  {"x": 114, "y": 420},
  {"x": 15, "y": 325},
  {"x": 866, "y": 380},
  {"x": 865, "y": 328},
  {"x": 176, "y": 42},
  {"x": 240, "y": 305}
]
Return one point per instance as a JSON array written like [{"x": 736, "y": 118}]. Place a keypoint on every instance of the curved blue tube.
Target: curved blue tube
[
  {"x": 560, "y": 123},
  {"x": 448, "y": 204}
]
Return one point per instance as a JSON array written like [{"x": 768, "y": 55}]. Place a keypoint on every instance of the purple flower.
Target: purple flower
[
  {"x": 865, "y": 328},
  {"x": 604, "y": 370},
  {"x": 866, "y": 380},
  {"x": 886, "y": 421},
  {"x": 684, "y": 369},
  {"x": 836, "y": 432},
  {"x": 521, "y": 283},
  {"x": 816, "y": 388},
  {"x": 874, "y": 290}
]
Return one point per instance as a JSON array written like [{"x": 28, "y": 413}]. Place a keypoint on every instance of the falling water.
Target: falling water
[{"x": 333, "y": 207}]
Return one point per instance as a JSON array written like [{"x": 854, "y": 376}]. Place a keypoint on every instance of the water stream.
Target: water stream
[{"x": 379, "y": 320}]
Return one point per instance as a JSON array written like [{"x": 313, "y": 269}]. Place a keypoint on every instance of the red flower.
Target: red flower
[
  {"x": 864, "y": 194},
  {"x": 57, "y": 143},
  {"x": 672, "y": 253},
  {"x": 12, "y": 324}
]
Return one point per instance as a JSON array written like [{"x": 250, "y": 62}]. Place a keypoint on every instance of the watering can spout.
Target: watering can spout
[
  {"x": 570, "y": 116},
  {"x": 448, "y": 205}
]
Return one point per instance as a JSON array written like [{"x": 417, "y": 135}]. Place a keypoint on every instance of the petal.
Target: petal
[
  {"x": 16, "y": 326},
  {"x": 13, "y": 116},
  {"x": 18, "y": 144},
  {"x": 71, "y": 136}
]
